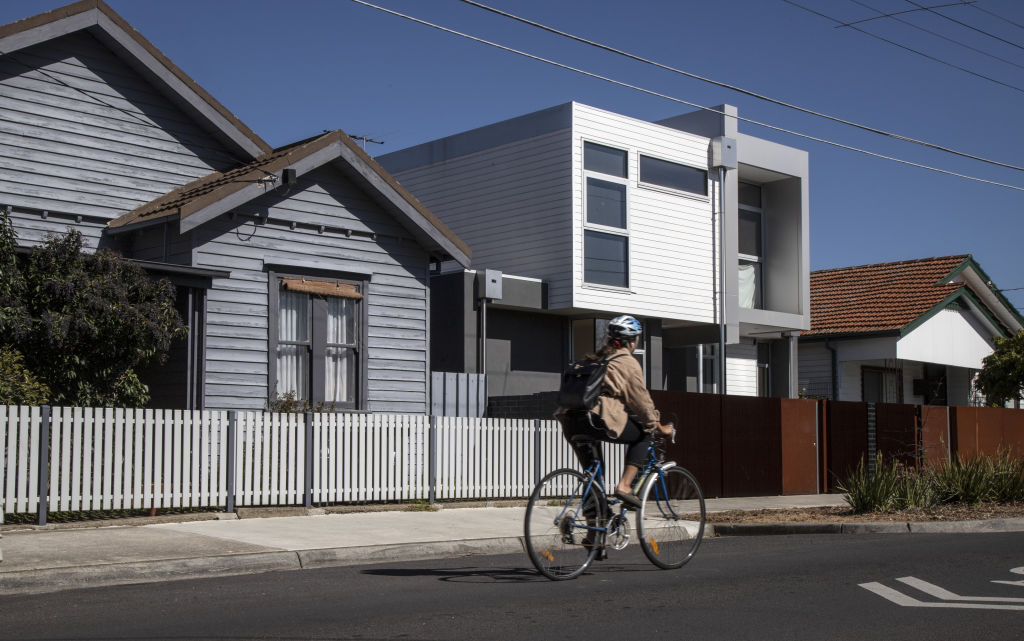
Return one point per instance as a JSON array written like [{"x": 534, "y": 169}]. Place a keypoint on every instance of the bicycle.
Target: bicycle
[{"x": 568, "y": 525}]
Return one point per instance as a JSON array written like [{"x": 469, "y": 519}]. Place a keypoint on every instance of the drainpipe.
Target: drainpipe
[
  {"x": 835, "y": 370},
  {"x": 722, "y": 156}
]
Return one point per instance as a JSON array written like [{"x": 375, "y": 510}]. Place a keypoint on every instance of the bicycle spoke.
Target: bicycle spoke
[
  {"x": 562, "y": 518},
  {"x": 671, "y": 521}
]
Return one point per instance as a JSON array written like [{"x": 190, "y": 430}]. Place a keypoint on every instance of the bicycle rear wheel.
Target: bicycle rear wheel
[
  {"x": 557, "y": 537},
  {"x": 670, "y": 524}
]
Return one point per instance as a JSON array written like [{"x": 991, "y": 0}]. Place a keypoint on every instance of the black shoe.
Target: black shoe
[
  {"x": 588, "y": 542},
  {"x": 629, "y": 499}
]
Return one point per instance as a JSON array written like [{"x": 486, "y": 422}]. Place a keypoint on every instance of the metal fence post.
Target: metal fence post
[
  {"x": 44, "y": 464},
  {"x": 308, "y": 488},
  {"x": 432, "y": 460},
  {"x": 232, "y": 437}
]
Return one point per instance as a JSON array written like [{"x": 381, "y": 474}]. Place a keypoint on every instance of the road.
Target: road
[{"x": 779, "y": 587}]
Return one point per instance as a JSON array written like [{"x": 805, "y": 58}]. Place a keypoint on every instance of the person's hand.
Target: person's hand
[{"x": 666, "y": 429}]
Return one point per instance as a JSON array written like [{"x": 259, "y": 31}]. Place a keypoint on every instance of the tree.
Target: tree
[
  {"x": 92, "y": 321},
  {"x": 1002, "y": 375}
]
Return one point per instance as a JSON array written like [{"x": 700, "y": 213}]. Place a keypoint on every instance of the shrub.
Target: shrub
[
  {"x": 18, "y": 386},
  {"x": 866, "y": 492}
]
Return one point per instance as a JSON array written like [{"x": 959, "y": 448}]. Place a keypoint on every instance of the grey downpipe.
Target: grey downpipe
[{"x": 835, "y": 370}]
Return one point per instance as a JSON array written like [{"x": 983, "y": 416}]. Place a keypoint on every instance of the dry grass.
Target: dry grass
[{"x": 952, "y": 512}]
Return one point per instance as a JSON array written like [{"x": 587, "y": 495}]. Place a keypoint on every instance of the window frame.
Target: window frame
[
  {"x": 896, "y": 372},
  {"x": 597, "y": 228},
  {"x": 673, "y": 190},
  {"x": 318, "y": 336}
]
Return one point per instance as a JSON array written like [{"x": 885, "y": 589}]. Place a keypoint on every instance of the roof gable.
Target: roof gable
[
  {"x": 96, "y": 18},
  {"x": 219, "y": 192}
]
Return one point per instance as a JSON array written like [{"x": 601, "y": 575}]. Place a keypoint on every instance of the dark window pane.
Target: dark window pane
[
  {"x": 604, "y": 159},
  {"x": 749, "y": 233},
  {"x": 606, "y": 203},
  {"x": 605, "y": 259},
  {"x": 673, "y": 175},
  {"x": 750, "y": 195}
]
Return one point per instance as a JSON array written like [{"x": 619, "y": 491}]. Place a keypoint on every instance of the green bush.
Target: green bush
[
  {"x": 971, "y": 480},
  {"x": 18, "y": 386}
]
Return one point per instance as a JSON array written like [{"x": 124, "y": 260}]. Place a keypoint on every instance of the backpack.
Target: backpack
[{"x": 582, "y": 383}]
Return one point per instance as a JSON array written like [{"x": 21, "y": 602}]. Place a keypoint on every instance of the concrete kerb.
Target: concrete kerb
[{"x": 869, "y": 527}]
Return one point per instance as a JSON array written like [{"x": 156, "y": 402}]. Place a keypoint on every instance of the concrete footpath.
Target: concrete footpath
[{"x": 66, "y": 556}]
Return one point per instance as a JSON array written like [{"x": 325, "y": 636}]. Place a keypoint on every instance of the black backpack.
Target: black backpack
[{"x": 582, "y": 383}]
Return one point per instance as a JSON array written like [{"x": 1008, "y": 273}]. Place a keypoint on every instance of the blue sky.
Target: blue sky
[{"x": 292, "y": 69}]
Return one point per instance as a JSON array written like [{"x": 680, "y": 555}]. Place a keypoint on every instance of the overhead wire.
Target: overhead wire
[
  {"x": 738, "y": 89},
  {"x": 898, "y": 13},
  {"x": 971, "y": 27},
  {"x": 911, "y": 49},
  {"x": 996, "y": 15},
  {"x": 939, "y": 35},
  {"x": 680, "y": 100}
]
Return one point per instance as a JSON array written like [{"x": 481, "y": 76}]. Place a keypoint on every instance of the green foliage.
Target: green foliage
[
  {"x": 84, "y": 322},
  {"x": 18, "y": 386},
  {"x": 1002, "y": 375},
  {"x": 971, "y": 480},
  {"x": 288, "y": 403}
]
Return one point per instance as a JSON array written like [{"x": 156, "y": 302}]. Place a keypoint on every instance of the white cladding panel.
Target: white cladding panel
[
  {"x": 741, "y": 369},
  {"x": 511, "y": 204},
  {"x": 670, "y": 234},
  {"x": 950, "y": 337}
]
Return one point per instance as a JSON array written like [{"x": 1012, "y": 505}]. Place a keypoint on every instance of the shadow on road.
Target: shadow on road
[{"x": 496, "y": 575}]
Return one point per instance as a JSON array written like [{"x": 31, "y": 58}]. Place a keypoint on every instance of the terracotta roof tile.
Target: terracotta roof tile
[{"x": 876, "y": 298}]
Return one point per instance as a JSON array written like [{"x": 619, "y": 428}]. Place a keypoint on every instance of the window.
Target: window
[
  {"x": 881, "y": 385},
  {"x": 606, "y": 220},
  {"x": 605, "y": 259},
  {"x": 317, "y": 337},
  {"x": 662, "y": 173},
  {"x": 750, "y": 246}
]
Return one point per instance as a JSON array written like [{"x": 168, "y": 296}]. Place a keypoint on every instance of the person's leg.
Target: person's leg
[{"x": 636, "y": 441}]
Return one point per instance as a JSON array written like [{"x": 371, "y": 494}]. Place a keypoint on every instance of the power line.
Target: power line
[
  {"x": 996, "y": 15},
  {"x": 896, "y": 13},
  {"x": 741, "y": 90},
  {"x": 939, "y": 35},
  {"x": 964, "y": 24},
  {"x": 680, "y": 100},
  {"x": 910, "y": 49}
]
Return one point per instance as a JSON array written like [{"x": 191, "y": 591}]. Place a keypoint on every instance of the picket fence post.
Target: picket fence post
[
  {"x": 44, "y": 464},
  {"x": 432, "y": 460},
  {"x": 536, "y": 451},
  {"x": 232, "y": 435},
  {"x": 308, "y": 477}
]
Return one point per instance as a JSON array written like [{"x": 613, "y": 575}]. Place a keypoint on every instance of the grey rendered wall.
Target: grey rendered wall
[
  {"x": 237, "y": 358},
  {"x": 82, "y": 134}
]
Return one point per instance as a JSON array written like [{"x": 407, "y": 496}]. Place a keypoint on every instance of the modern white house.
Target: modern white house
[
  {"x": 913, "y": 331},
  {"x": 577, "y": 214}
]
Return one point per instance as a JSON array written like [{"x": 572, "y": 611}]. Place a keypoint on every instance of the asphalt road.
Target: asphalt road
[{"x": 776, "y": 587}]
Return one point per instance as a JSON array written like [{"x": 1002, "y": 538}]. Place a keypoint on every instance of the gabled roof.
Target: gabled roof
[
  {"x": 96, "y": 18},
  {"x": 895, "y": 297},
  {"x": 219, "y": 192}
]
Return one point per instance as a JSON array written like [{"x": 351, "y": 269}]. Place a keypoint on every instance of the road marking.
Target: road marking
[
  {"x": 1019, "y": 570},
  {"x": 901, "y": 599},
  {"x": 946, "y": 595}
]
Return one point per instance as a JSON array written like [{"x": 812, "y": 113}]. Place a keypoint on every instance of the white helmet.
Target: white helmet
[{"x": 625, "y": 327}]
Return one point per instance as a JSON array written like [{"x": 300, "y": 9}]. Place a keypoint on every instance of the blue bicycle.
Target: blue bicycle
[{"x": 570, "y": 521}]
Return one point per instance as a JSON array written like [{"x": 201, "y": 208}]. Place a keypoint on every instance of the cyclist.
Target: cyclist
[{"x": 624, "y": 413}]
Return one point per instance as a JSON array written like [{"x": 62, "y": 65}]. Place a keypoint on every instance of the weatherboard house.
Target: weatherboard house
[
  {"x": 913, "y": 331},
  {"x": 300, "y": 269},
  {"x": 577, "y": 214}
]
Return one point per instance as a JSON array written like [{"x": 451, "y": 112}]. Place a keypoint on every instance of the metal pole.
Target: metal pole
[
  {"x": 308, "y": 481},
  {"x": 721, "y": 284},
  {"x": 44, "y": 464},
  {"x": 232, "y": 436},
  {"x": 536, "y": 451}
]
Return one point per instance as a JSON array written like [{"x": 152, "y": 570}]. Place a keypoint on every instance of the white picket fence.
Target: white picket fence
[{"x": 117, "y": 459}]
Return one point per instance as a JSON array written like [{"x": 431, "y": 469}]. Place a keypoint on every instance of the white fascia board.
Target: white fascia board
[
  {"x": 48, "y": 31},
  {"x": 982, "y": 290}
]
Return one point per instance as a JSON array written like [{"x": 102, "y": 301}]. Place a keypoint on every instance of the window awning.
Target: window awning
[{"x": 321, "y": 287}]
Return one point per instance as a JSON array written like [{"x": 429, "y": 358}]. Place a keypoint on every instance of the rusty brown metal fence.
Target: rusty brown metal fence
[{"x": 743, "y": 446}]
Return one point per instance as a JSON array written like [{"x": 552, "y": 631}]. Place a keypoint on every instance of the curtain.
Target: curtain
[
  {"x": 747, "y": 285},
  {"x": 293, "y": 344},
  {"x": 340, "y": 355}
]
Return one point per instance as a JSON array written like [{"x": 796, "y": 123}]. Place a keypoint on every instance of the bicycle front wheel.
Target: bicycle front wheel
[
  {"x": 562, "y": 521},
  {"x": 672, "y": 516}
]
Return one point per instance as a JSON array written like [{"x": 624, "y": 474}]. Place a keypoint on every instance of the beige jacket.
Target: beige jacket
[{"x": 624, "y": 388}]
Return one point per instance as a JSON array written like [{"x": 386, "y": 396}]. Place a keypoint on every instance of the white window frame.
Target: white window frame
[
  {"x": 758, "y": 260},
  {"x": 606, "y": 229}
]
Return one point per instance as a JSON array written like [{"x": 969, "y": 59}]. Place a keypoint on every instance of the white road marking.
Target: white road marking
[
  {"x": 946, "y": 595},
  {"x": 1019, "y": 570},
  {"x": 909, "y": 602}
]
